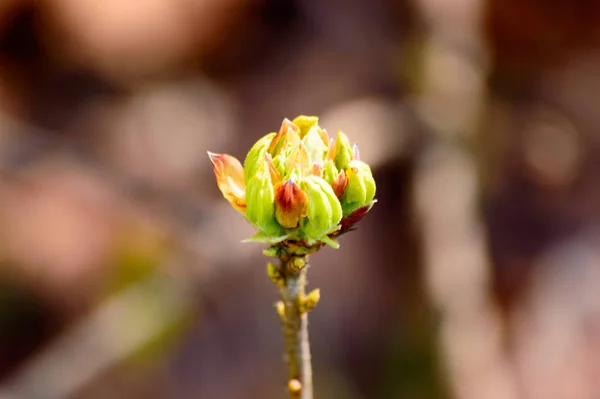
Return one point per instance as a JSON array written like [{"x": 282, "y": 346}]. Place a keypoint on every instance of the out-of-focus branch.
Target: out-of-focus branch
[
  {"x": 450, "y": 104},
  {"x": 102, "y": 340}
]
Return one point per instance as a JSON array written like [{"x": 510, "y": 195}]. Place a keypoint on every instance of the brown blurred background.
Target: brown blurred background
[{"x": 476, "y": 276}]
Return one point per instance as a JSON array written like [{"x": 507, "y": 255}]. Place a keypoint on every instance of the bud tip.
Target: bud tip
[
  {"x": 212, "y": 156},
  {"x": 355, "y": 152}
]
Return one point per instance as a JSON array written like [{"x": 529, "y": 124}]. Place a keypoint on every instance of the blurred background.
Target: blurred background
[{"x": 476, "y": 276}]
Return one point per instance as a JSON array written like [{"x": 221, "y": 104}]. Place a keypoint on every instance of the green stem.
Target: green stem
[{"x": 295, "y": 326}]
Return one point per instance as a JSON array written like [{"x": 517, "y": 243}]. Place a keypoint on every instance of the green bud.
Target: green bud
[
  {"x": 361, "y": 188},
  {"x": 260, "y": 199},
  {"x": 330, "y": 172},
  {"x": 324, "y": 209},
  {"x": 256, "y": 156},
  {"x": 279, "y": 163},
  {"x": 336, "y": 207},
  {"x": 305, "y": 123},
  {"x": 343, "y": 151}
]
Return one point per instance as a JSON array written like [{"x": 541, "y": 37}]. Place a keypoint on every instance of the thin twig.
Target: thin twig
[{"x": 295, "y": 327}]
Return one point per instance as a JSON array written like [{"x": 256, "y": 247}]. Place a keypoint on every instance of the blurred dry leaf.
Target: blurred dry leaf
[
  {"x": 553, "y": 149},
  {"x": 7, "y": 9},
  {"x": 57, "y": 225},
  {"x": 137, "y": 37}
]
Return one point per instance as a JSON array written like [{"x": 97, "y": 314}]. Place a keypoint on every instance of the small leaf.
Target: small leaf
[
  {"x": 331, "y": 242},
  {"x": 262, "y": 238}
]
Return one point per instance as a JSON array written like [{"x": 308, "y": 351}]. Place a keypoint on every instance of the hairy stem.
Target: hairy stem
[{"x": 295, "y": 327}]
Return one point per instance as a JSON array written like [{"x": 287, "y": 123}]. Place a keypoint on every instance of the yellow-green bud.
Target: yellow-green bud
[
  {"x": 280, "y": 309},
  {"x": 256, "y": 156},
  {"x": 311, "y": 300},
  {"x": 361, "y": 187},
  {"x": 260, "y": 201},
  {"x": 305, "y": 123},
  {"x": 324, "y": 209},
  {"x": 295, "y": 264},
  {"x": 274, "y": 274},
  {"x": 295, "y": 387},
  {"x": 343, "y": 151},
  {"x": 298, "y": 159},
  {"x": 315, "y": 145}
]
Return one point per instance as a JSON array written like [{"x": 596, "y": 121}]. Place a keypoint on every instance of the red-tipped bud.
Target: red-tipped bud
[
  {"x": 324, "y": 136},
  {"x": 275, "y": 175},
  {"x": 339, "y": 184},
  {"x": 331, "y": 152},
  {"x": 291, "y": 204},
  {"x": 354, "y": 217},
  {"x": 280, "y": 140},
  {"x": 317, "y": 170},
  {"x": 230, "y": 179}
]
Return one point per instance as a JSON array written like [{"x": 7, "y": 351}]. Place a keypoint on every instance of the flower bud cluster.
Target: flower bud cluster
[{"x": 298, "y": 184}]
